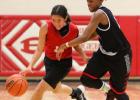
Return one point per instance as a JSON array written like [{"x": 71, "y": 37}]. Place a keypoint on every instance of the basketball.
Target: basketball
[{"x": 16, "y": 85}]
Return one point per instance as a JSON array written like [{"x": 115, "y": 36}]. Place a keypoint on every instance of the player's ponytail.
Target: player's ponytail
[
  {"x": 61, "y": 11},
  {"x": 68, "y": 18}
]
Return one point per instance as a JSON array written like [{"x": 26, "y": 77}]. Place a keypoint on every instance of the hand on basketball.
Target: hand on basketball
[
  {"x": 13, "y": 82},
  {"x": 26, "y": 71},
  {"x": 60, "y": 50}
]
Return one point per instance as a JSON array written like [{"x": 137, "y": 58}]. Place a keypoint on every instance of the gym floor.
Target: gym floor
[{"x": 133, "y": 91}]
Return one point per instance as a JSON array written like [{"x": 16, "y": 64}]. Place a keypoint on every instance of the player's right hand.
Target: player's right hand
[
  {"x": 59, "y": 51},
  {"x": 26, "y": 71}
]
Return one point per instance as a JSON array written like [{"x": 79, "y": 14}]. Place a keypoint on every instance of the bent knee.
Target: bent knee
[
  {"x": 118, "y": 88},
  {"x": 86, "y": 80},
  {"x": 83, "y": 79},
  {"x": 91, "y": 82}
]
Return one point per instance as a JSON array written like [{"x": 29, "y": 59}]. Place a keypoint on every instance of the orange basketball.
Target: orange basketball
[{"x": 16, "y": 85}]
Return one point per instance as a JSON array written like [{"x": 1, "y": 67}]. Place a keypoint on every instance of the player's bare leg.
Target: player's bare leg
[
  {"x": 40, "y": 89},
  {"x": 77, "y": 93}
]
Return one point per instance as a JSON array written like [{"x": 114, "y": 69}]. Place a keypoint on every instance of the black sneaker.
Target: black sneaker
[
  {"x": 110, "y": 95},
  {"x": 78, "y": 93}
]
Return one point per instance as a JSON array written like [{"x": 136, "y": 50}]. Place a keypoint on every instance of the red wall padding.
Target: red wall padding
[
  {"x": 129, "y": 27},
  {"x": 138, "y": 46},
  {"x": 129, "y": 24}
]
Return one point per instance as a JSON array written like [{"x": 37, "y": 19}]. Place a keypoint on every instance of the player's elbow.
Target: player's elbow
[{"x": 40, "y": 50}]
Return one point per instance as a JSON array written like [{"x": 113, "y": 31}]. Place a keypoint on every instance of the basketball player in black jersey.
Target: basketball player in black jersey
[{"x": 113, "y": 56}]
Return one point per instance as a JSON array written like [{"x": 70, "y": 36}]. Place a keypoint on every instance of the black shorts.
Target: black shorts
[
  {"x": 56, "y": 70},
  {"x": 118, "y": 67}
]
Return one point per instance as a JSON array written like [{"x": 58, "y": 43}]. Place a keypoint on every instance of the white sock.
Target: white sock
[
  {"x": 105, "y": 87},
  {"x": 82, "y": 88}
]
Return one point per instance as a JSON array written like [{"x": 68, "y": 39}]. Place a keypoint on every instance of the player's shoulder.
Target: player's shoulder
[
  {"x": 104, "y": 10},
  {"x": 44, "y": 28},
  {"x": 99, "y": 13},
  {"x": 74, "y": 26}
]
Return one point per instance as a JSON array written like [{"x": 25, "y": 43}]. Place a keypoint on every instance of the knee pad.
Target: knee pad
[
  {"x": 118, "y": 87},
  {"x": 91, "y": 83}
]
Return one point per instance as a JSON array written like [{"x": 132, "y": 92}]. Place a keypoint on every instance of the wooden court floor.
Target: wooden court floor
[{"x": 133, "y": 90}]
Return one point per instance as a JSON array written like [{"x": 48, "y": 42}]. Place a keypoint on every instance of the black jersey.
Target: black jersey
[{"x": 111, "y": 38}]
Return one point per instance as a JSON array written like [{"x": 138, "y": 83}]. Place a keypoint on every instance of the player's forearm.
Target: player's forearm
[
  {"x": 77, "y": 41},
  {"x": 80, "y": 51},
  {"x": 88, "y": 33},
  {"x": 36, "y": 56}
]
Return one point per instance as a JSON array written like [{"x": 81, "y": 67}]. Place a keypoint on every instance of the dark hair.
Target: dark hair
[{"x": 61, "y": 10}]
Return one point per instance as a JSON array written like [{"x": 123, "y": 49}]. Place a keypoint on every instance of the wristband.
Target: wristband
[{"x": 67, "y": 45}]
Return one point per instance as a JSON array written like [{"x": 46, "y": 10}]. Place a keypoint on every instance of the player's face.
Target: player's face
[
  {"x": 93, "y": 5},
  {"x": 58, "y": 21}
]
